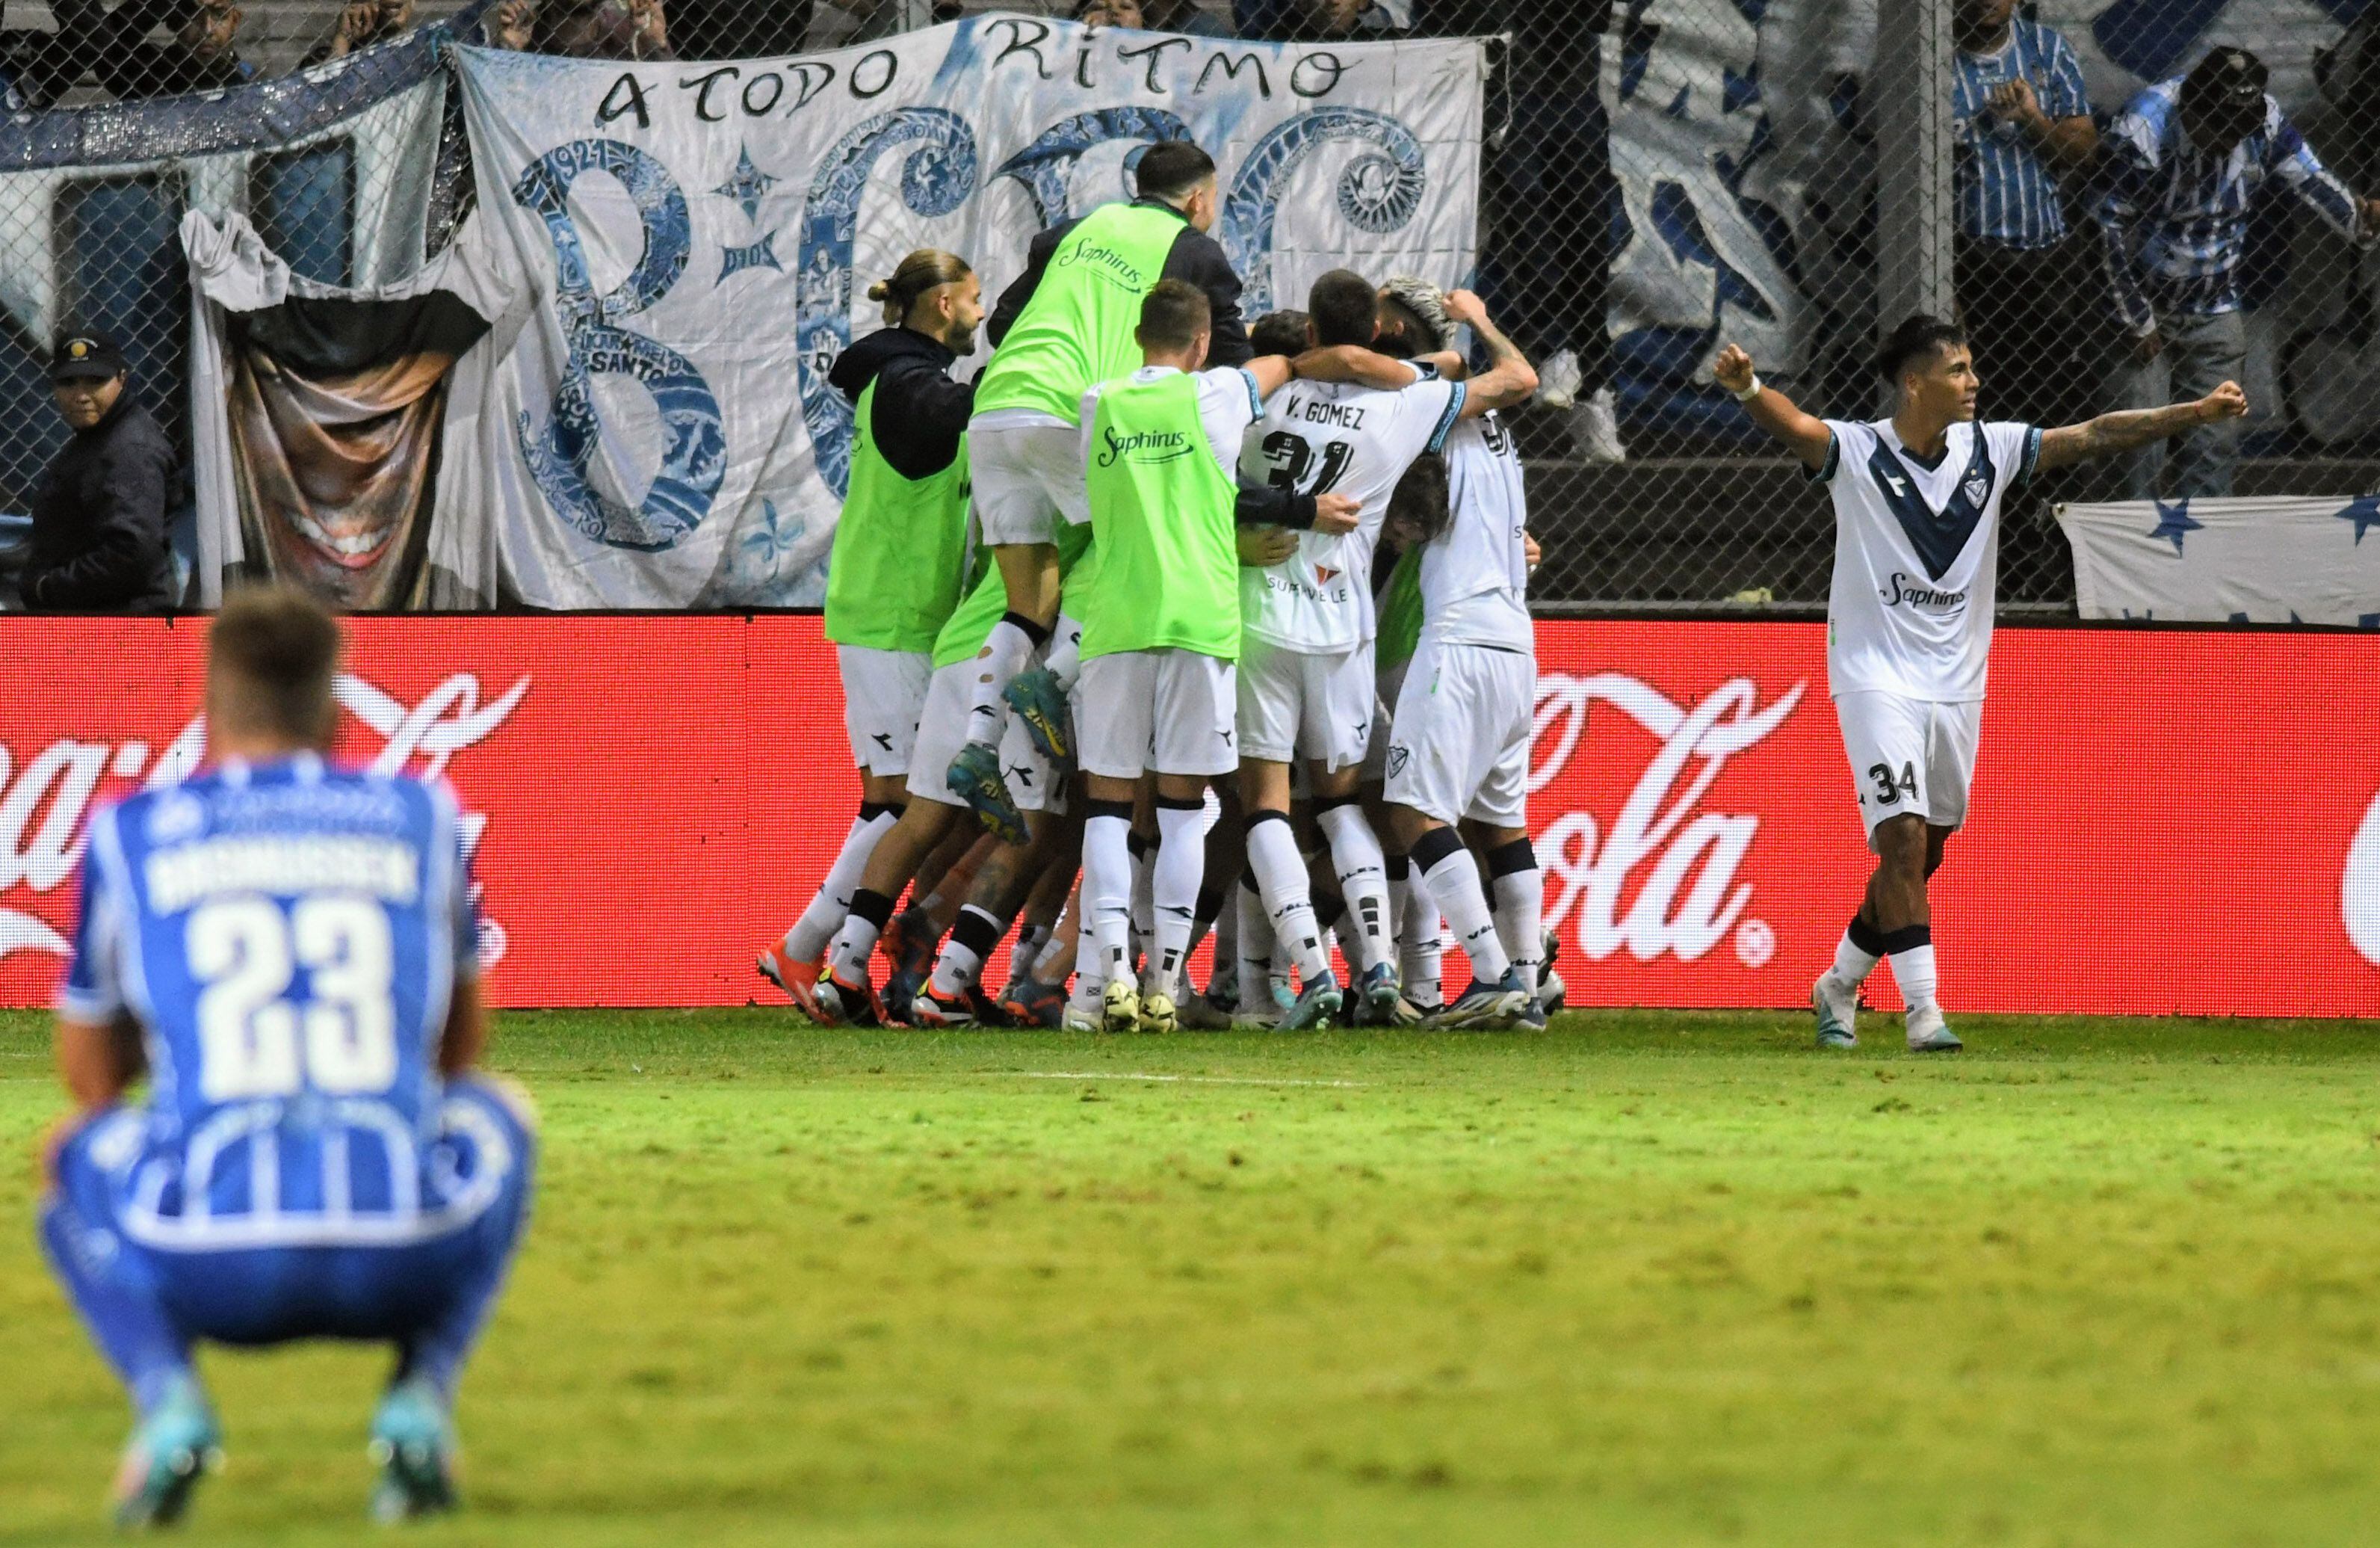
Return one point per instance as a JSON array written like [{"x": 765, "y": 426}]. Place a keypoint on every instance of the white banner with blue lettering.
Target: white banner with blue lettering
[
  {"x": 2279, "y": 560},
  {"x": 700, "y": 240}
]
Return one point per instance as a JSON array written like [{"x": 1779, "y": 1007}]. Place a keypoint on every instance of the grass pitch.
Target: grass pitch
[{"x": 1657, "y": 1279}]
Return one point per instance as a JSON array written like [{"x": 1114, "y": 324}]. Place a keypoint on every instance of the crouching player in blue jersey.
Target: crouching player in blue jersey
[{"x": 286, "y": 949}]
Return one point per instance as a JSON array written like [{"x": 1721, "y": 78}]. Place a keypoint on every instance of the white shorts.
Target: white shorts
[
  {"x": 1294, "y": 705},
  {"x": 941, "y": 731},
  {"x": 1026, "y": 479},
  {"x": 1168, "y": 711},
  {"x": 1460, "y": 748},
  {"x": 1384, "y": 720},
  {"x": 883, "y": 694},
  {"x": 1908, "y": 755}
]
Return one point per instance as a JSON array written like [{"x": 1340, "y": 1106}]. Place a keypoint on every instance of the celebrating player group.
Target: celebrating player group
[{"x": 1165, "y": 600}]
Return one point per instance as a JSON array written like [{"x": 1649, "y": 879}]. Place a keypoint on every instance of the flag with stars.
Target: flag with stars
[
  {"x": 657, "y": 430},
  {"x": 2274, "y": 560}
]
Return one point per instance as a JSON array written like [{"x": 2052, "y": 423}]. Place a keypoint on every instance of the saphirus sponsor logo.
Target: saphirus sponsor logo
[
  {"x": 1681, "y": 862},
  {"x": 46, "y": 800}
]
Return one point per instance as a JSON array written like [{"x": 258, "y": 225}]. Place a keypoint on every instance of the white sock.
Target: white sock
[
  {"x": 1181, "y": 864},
  {"x": 971, "y": 940},
  {"x": 1255, "y": 947},
  {"x": 1418, "y": 928},
  {"x": 1064, "y": 657},
  {"x": 1289, "y": 903},
  {"x": 1003, "y": 655},
  {"x": 1363, "y": 874},
  {"x": 807, "y": 940},
  {"x": 1453, "y": 879},
  {"x": 1027, "y": 950},
  {"x": 1520, "y": 908},
  {"x": 1914, "y": 970},
  {"x": 1851, "y": 964},
  {"x": 848, "y": 956},
  {"x": 1107, "y": 896}
]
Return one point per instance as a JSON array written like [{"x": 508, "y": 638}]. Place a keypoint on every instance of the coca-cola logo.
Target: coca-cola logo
[
  {"x": 45, "y": 804},
  {"x": 1681, "y": 862},
  {"x": 2359, "y": 888}
]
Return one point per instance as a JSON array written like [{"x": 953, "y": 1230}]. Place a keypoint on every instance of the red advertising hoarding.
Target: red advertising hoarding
[{"x": 2161, "y": 822}]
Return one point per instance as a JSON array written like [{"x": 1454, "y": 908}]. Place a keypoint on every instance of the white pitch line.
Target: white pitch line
[{"x": 1168, "y": 1080}]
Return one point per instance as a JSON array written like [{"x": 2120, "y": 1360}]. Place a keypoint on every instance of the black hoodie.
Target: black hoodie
[
  {"x": 99, "y": 519},
  {"x": 920, "y": 412}
]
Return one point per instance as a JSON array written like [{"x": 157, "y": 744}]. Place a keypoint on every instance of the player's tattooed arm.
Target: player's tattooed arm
[
  {"x": 2132, "y": 428},
  {"x": 1806, "y": 436},
  {"x": 1509, "y": 379}
]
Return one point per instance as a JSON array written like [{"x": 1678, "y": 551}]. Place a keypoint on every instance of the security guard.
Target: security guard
[{"x": 98, "y": 517}]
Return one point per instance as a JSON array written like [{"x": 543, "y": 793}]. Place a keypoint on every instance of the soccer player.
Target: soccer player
[
  {"x": 1458, "y": 741},
  {"x": 1909, "y": 622},
  {"x": 287, "y": 949},
  {"x": 896, "y": 570},
  {"x": 1161, "y": 628},
  {"x": 1305, "y": 687},
  {"x": 1067, "y": 323}
]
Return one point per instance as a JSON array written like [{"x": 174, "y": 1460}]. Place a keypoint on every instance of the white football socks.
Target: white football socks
[
  {"x": 1005, "y": 651},
  {"x": 1289, "y": 902},
  {"x": 1914, "y": 970},
  {"x": 1362, "y": 869},
  {"x": 1180, "y": 865},
  {"x": 807, "y": 940},
  {"x": 1107, "y": 891},
  {"x": 1453, "y": 879},
  {"x": 1520, "y": 906}
]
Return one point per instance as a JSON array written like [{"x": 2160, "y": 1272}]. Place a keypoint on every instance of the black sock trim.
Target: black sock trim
[
  {"x": 1333, "y": 803},
  {"x": 1180, "y": 803},
  {"x": 1262, "y": 814},
  {"x": 1907, "y": 938},
  {"x": 1866, "y": 939},
  {"x": 1434, "y": 846},
  {"x": 1506, "y": 858},
  {"x": 873, "y": 906},
  {"x": 1107, "y": 808},
  {"x": 870, "y": 810},
  {"x": 1037, "y": 633},
  {"x": 1398, "y": 867},
  {"x": 978, "y": 931}
]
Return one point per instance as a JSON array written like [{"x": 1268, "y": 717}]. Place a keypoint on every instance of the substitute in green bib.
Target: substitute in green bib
[
  {"x": 1160, "y": 616},
  {"x": 897, "y": 568},
  {"x": 1065, "y": 325}
]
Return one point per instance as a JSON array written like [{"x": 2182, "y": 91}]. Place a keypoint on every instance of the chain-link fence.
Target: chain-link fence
[{"x": 1660, "y": 178}]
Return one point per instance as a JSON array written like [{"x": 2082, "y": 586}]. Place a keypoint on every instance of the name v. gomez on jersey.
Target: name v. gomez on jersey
[{"x": 1917, "y": 556}]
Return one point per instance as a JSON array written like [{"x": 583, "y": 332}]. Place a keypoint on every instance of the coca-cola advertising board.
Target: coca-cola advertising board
[{"x": 2162, "y": 822}]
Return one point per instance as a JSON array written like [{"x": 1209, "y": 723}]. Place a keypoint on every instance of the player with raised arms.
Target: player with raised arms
[
  {"x": 1066, "y": 324},
  {"x": 287, "y": 949},
  {"x": 897, "y": 568},
  {"x": 1162, "y": 628},
  {"x": 1917, "y": 502},
  {"x": 1306, "y": 688}
]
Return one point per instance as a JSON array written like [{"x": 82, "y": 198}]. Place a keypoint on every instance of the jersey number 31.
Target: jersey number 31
[{"x": 252, "y": 1041}]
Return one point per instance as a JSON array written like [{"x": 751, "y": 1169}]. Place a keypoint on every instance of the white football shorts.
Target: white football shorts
[
  {"x": 941, "y": 731},
  {"x": 883, "y": 694},
  {"x": 1026, "y": 478},
  {"x": 1459, "y": 743},
  {"x": 1294, "y": 705},
  {"x": 1908, "y": 755},
  {"x": 1168, "y": 711}
]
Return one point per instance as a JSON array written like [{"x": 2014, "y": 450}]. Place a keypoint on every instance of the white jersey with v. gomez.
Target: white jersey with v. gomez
[
  {"x": 1917, "y": 556},
  {"x": 1335, "y": 438}
]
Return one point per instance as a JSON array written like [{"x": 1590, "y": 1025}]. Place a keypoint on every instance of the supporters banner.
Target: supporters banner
[
  {"x": 702, "y": 238},
  {"x": 2266, "y": 561},
  {"x": 652, "y": 798}
]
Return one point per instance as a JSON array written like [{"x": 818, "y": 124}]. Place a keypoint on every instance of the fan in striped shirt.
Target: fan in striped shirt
[{"x": 2187, "y": 162}]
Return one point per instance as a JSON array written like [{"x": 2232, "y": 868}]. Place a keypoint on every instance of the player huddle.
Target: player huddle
[{"x": 1139, "y": 564}]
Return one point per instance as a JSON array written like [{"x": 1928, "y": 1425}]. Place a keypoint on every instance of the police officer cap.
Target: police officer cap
[{"x": 86, "y": 356}]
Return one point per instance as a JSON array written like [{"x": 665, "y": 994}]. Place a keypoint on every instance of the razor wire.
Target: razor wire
[{"x": 1660, "y": 178}]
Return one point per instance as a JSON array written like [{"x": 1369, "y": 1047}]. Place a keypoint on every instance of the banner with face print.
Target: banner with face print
[{"x": 700, "y": 240}]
